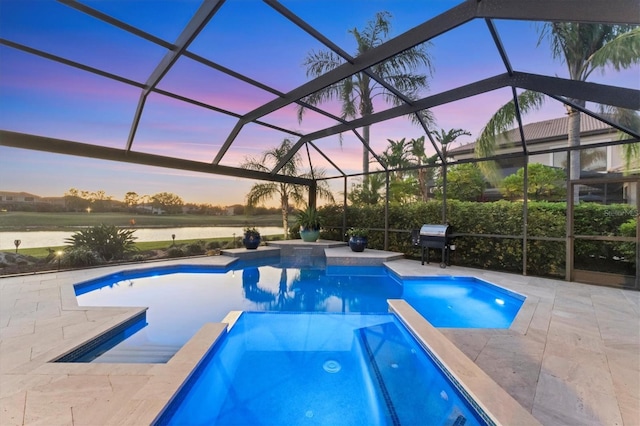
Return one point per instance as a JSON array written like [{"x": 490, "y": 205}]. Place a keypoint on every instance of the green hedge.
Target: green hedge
[{"x": 545, "y": 219}]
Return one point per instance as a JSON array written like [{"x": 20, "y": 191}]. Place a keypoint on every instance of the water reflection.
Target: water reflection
[
  {"x": 250, "y": 279},
  {"x": 311, "y": 290}
]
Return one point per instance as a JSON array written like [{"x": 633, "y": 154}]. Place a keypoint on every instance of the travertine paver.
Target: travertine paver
[{"x": 572, "y": 355}]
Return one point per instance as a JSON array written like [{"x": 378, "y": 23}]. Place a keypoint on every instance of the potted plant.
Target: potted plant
[
  {"x": 358, "y": 238},
  {"x": 251, "y": 239},
  {"x": 310, "y": 222}
]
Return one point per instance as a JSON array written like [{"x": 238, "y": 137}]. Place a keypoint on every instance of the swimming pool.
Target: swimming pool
[
  {"x": 319, "y": 369},
  {"x": 182, "y": 298}
]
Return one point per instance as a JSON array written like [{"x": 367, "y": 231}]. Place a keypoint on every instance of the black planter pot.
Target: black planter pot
[
  {"x": 358, "y": 244},
  {"x": 251, "y": 241}
]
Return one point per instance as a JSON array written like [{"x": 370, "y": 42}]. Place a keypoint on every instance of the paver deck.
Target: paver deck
[{"x": 572, "y": 356}]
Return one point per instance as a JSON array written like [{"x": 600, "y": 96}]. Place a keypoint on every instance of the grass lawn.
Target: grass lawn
[{"x": 19, "y": 221}]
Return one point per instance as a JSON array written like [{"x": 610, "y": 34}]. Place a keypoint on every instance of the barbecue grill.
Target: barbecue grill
[{"x": 433, "y": 236}]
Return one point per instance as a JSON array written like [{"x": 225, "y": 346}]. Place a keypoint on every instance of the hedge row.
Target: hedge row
[{"x": 544, "y": 258}]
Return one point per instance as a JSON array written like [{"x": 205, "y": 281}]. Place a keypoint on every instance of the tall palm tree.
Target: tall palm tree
[
  {"x": 584, "y": 48},
  {"x": 356, "y": 93},
  {"x": 288, "y": 192}
]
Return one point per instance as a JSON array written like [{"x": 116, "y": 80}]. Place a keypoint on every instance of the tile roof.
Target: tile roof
[{"x": 544, "y": 131}]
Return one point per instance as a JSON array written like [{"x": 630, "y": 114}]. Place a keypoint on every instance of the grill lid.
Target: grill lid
[{"x": 434, "y": 230}]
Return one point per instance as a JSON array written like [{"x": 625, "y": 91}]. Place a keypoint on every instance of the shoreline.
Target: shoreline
[{"x": 49, "y": 228}]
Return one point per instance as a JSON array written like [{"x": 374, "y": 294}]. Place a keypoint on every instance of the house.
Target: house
[
  {"x": 18, "y": 197},
  {"x": 544, "y": 136}
]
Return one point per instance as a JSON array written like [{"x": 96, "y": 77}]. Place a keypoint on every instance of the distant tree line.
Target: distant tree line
[{"x": 76, "y": 200}]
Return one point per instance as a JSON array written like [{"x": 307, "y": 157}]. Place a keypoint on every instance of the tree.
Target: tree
[
  {"x": 465, "y": 182},
  {"x": 287, "y": 192},
  {"x": 545, "y": 183},
  {"x": 584, "y": 48},
  {"x": 168, "y": 202},
  {"x": 131, "y": 199},
  {"x": 448, "y": 137},
  {"x": 100, "y": 201},
  {"x": 420, "y": 158},
  {"x": 356, "y": 93},
  {"x": 403, "y": 185},
  {"x": 397, "y": 156},
  {"x": 368, "y": 191},
  {"x": 73, "y": 201}
]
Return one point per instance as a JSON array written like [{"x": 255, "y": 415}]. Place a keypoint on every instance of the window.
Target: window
[{"x": 591, "y": 159}]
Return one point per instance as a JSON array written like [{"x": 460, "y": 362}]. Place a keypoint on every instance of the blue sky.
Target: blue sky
[{"x": 46, "y": 98}]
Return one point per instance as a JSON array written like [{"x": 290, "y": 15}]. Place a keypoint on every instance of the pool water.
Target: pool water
[
  {"x": 183, "y": 298},
  {"x": 319, "y": 369}
]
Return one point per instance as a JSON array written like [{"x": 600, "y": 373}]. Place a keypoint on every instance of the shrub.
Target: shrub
[
  {"x": 108, "y": 241},
  {"x": 628, "y": 250},
  {"x": 138, "y": 257},
  {"x": 294, "y": 231},
  {"x": 212, "y": 245},
  {"x": 176, "y": 252},
  {"x": 79, "y": 256},
  {"x": 195, "y": 248},
  {"x": 545, "y": 219}
]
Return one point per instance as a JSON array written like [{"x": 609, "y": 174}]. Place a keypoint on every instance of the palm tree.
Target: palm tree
[
  {"x": 585, "y": 48},
  {"x": 356, "y": 93},
  {"x": 287, "y": 192},
  {"x": 367, "y": 192},
  {"x": 397, "y": 156},
  {"x": 416, "y": 148},
  {"x": 447, "y": 137}
]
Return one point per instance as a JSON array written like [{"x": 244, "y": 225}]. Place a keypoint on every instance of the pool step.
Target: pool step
[{"x": 148, "y": 354}]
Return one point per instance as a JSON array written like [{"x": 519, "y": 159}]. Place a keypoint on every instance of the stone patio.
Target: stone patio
[{"x": 571, "y": 357}]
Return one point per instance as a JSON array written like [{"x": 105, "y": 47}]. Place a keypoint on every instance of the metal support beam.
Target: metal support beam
[
  {"x": 200, "y": 19},
  {"x": 59, "y": 146},
  {"x": 574, "y": 89},
  {"x": 516, "y": 103},
  {"x": 631, "y": 132},
  {"x": 600, "y": 93},
  {"x": 313, "y": 194},
  {"x": 525, "y": 215},
  {"x": 498, "y": 42},
  {"x": 596, "y": 11},
  {"x": 387, "y": 184}
]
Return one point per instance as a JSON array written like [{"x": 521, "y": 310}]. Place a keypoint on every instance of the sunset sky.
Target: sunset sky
[{"x": 42, "y": 97}]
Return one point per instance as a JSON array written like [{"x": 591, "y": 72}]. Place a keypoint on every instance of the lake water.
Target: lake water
[{"x": 31, "y": 239}]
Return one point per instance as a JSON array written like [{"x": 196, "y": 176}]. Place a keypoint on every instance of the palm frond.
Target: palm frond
[
  {"x": 504, "y": 119},
  {"x": 620, "y": 53},
  {"x": 261, "y": 192},
  {"x": 501, "y": 121},
  {"x": 321, "y": 62}
]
